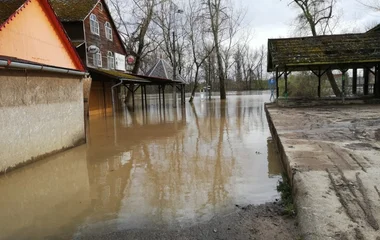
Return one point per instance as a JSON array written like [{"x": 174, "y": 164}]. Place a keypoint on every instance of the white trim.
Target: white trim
[
  {"x": 91, "y": 10},
  {"x": 85, "y": 43}
]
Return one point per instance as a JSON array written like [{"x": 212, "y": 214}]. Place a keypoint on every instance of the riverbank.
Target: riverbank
[
  {"x": 332, "y": 157},
  {"x": 262, "y": 222}
]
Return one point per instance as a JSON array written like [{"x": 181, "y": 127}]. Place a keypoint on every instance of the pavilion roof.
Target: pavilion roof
[
  {"x": 334, "y": 51},
  {"x": 163, "y": 70}
]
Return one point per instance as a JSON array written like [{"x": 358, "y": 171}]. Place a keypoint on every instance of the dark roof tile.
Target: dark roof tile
[
  {"x": 323, "y": 50},
  {"x": 162, "y": 69},
  {"x": 72, "y": 10},
  {"x": 8, "y": 7}
]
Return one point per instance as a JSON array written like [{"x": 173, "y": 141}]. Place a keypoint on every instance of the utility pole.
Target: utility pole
[{"x": 176, "y": 10}]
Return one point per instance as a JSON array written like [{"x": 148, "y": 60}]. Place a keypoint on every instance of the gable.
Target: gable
[
  {"x": 104, "y": 16},
  {"x": 35, "y": 34}
]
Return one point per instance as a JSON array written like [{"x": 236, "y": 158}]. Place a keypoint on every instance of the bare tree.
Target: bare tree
[
  {"x": 133, "y": 19},
  {"x": 317, "y": 16},
  {"x": 371, "y": 4},
  {"x": 217, "y": 17},
  {"x": 198, "y": 38}
]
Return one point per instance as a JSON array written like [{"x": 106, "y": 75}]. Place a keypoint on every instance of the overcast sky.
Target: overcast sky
[{"x": 273, "y": 18}]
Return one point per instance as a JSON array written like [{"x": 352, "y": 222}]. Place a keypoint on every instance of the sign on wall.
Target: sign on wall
[
  {"x": 119, "y": 62},
  {"x": 130, "y": 60}
]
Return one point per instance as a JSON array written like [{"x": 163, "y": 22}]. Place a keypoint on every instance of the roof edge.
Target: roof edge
[
  {"x": 10, "y": 63},
  {"x": 2, "y": 25}
]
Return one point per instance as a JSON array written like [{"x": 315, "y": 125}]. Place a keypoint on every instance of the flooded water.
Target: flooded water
[{"x": 162, "y": 168}]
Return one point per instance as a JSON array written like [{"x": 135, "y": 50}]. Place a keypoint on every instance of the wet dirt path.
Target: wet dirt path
[
  {"x": 332, "y": 154},
  {"x": 162, "y": 169}
]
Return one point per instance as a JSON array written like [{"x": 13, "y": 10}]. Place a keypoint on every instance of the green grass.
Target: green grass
[{"x": 285, "y": 189}]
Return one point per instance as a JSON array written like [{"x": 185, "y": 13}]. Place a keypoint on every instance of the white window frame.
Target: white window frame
[
  {"x": 101, "y": 7},
  {"x": 97, "y": 59},
  {"x": 94, "y": 24},
  {"x": 108, "y": 29},
  {"x": 110, "y": 60}
]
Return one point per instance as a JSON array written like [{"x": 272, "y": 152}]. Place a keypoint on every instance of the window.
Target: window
[
  {"x": 108, "y": 31},
  {"x": 94, "y": 24},
  {"x": 97, "y": 60},
  {"x": 101, "y": 6},
  {"x": 111, "y": 60}
]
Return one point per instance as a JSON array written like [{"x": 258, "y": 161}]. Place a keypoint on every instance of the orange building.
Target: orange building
[{"x": 41, "y": 87}]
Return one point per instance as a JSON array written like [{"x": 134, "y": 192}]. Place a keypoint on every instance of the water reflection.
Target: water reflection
[{"x": 157, "y": 168}]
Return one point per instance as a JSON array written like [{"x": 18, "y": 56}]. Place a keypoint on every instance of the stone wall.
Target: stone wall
[{"x": 40, "y": 113}]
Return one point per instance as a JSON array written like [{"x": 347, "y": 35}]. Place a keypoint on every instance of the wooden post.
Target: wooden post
[
  {"x": 163, "y": 95},
  {"x": 286, "y": 82},
  {"x": 366, "y": 81},
  {"x": 319, "y": 82},
  {"x": 133, "y": 98},
  {"x": 277, "y": 88},
  {"x": 159, "y": 95},
  {"x": 146, "y": 99},
  {"x": 343, "y": 84},
  {"x": 142, "y": 96},
  {"x": 377, "y": 81},
  {"x": 354, "y": 80},
  {"x": 184, "y": 94},
  {"x": 104, "y": 97}
]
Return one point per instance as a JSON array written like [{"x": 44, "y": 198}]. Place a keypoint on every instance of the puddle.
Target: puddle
[{"x": 164, "y": 168}]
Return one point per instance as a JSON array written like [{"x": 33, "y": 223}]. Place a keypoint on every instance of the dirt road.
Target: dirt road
[{"x": 332, "y": 155}]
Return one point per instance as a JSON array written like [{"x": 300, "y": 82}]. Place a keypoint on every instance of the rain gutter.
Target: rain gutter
[{"x": 36, "y": 67}]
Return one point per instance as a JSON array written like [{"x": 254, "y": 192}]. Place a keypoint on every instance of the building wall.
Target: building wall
[
  {"x": 105, "y": 45},
  {"x": 40, "y": 113},
  {"x": 31, "y": 36},
  {"x": 100, "y": 100}
]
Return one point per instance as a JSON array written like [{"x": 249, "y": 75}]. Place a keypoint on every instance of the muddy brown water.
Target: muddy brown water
[{"x": 161, "y": 168}]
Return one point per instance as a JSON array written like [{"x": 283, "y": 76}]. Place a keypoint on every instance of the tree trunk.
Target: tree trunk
[
  {"x": 221, "y": 76},
  {"x": 334, "y": 85},
  {"x": 195, "y": 85},
  {"x": 141, "y": 41}
]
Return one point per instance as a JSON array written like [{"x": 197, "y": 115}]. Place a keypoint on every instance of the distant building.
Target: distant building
[
  {"x": 92, "y": 31},
  {"x": 41, "y": 87}
]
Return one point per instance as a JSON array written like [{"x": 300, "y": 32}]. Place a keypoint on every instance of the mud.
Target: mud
[
  {"x": 262, "y": 222},
  {"x": 332, "y": 155}
]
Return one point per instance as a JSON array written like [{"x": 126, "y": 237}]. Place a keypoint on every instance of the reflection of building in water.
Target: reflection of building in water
[
  {"x": 120, "y": 153},
  {"x": 45, "y": 199},
  {"x": 161, "y": 171},
  {"x": 274, "y": 161}
]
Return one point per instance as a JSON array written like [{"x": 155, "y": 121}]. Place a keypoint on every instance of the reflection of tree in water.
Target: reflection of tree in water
[
  {"x": 187, "y": 171},
  {"x": 178, "y": 171},
  {"x": 219, "y": 192}
]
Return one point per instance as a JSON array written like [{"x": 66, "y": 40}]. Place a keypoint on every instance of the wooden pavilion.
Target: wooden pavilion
[{"x": 323, "y": 53}]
